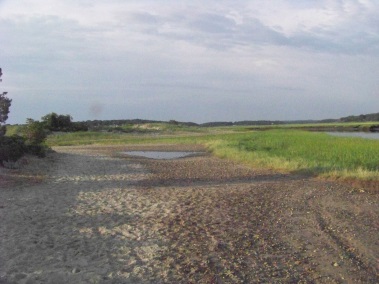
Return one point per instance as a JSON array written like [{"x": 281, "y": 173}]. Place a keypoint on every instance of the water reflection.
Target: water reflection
[
  {"x": 367, "y": 135},
  {"x": 159, "y": 155}
]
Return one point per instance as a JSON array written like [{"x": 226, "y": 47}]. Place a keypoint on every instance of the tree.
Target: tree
[
  {"x": 11, "y": 148},
  {"x": 55, "y": 122},
  {"x": 5, "y": 104},
  {"x": 51, "y": 121},
  {"x": 64, "y": 122}
]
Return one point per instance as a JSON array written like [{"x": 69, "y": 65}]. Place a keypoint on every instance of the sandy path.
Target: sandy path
[{"x": 98, "y": 218}]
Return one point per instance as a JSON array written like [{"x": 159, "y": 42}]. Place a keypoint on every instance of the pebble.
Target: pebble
[{"x": 75, "y": 270}]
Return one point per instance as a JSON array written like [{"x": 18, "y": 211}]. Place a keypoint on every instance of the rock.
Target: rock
[{"x": 75, "y": 270}]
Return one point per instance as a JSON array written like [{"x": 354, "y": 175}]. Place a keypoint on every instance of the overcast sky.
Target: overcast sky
[{"x": 192, "y": 60}]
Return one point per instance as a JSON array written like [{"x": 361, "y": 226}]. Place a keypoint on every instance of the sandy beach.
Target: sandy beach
[{"x": 92, "y": 215}]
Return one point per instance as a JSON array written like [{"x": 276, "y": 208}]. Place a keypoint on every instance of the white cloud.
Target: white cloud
[{"x": 215, "y": 53}]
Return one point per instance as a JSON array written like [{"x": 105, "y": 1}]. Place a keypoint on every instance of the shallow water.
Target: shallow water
[
  {"x": 367, "y": 135},
  {"x": 160, "y": 155}
]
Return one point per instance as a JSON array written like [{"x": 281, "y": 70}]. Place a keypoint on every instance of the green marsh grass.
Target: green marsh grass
[
  {"x": 284, "y": 149},
  {"x": 14, "y": 130},
  {"x": 301, "y": 151},
  {"x": 99, "y": 138},
  {"x": 340, "y": 126},
  {"x": 163, "y": 133}
]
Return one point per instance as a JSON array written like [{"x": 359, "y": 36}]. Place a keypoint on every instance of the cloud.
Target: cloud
[
  {"x": 340, "y": 26},
  {"x": 157, "y": 55}
]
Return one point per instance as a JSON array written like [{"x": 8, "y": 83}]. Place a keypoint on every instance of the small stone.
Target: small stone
[
  {"x": 335, "y": 264},
  {"x": 75, "y": 270}
]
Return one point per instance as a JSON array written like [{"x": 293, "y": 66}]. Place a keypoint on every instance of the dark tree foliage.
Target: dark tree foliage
[
  {"x": 59, "y": 122},
  {"x": 55, "y": 122},
  {"x": 5, "y": 104},
  {"x": 173, "y": 122},
  {"x": 361, "y": 118},
  {"x": 79, "y": 126},
  {"x": 11, "y": 148},
  {"x": 14, "y": 147}
]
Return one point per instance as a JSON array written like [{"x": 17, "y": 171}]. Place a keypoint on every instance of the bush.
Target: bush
[
  {"x": 11, "y": 148},
  {"x": 37, "y": 150},
  {"x": 3, "y": 130},
  {"x": 14, "y": 147},
  {"x": 34, "y": 132}
]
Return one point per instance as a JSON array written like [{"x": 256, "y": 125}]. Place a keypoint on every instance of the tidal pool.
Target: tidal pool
[{"x": 160, "y": 155}]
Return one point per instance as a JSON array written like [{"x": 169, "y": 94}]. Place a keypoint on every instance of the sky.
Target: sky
[{"x": 196, "y": 61}]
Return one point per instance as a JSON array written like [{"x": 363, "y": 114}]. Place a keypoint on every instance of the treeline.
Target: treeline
[
  {"x": 242, "y": 123},
  {"x": 64, "y": 123},
  {"x": 361, "y": 118},
  {"x": 92, "y": 124}
]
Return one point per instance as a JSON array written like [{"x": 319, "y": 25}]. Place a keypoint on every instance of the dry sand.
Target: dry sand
[{"x": 89, "y": 215}]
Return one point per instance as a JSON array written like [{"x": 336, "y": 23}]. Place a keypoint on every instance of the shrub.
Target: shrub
[
  {"x": 5, "y": 104},
  {"x": 35, "y": 135},
  {"x": 37, "y": 150},
  {"x": 34, "y": 132},
  {"x": 11, "y": 148}
]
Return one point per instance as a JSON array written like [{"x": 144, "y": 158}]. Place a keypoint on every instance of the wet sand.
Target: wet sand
[{"x": 91, "y": 215}]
